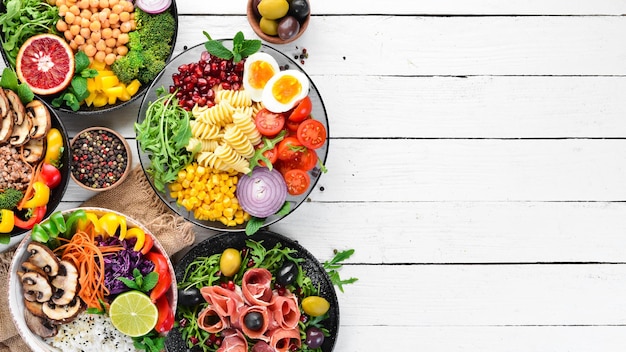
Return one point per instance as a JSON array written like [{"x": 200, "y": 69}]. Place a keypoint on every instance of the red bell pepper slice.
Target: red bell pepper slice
[
  {"x": 165, "y": 322},
  {"x": 162, "y": 268},
  {"x": 38, "y": 214}
]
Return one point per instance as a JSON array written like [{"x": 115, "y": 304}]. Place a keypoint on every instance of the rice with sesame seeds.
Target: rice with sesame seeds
[{"x": 91, "y": 332}]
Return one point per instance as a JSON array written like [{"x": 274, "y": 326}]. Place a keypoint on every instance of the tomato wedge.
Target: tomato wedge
[
  {"x": 311, "y": 133},
  {"x": 302, "y": 110},
  {"x": 297, "y": 181},
  {"x": 289, "y": 148},
  {"x": 268, "y": 123}
]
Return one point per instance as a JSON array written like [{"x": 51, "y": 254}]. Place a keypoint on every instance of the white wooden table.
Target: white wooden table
[{"x": 477, "y": 165}]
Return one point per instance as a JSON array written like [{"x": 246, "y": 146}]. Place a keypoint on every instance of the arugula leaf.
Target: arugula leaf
[
  {"x": 151, "y": 342},
  {"x": 332, "y": 266}
]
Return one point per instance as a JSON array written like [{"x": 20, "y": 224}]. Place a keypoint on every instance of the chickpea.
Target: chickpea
[
  {"x": 86, "y": 14},
  {"x": 107, "y": 33},
  {"x": 108, "y": 50},
  {"x": 93, "y": 4},
  {"x": 73, "y": 45},
  {"x": 109, "y": 59},
  {"x": 94, "y": 26},
  {"x": 123, "y": 39},
  {"x": 126, "y": 27},
  {"x": 114, "y": 18},
  {"x": 83, "y": 4},
  {"x": 101, "y": 45},
  {"x": 102, "y": 16},
  {"x": 61, "y": 26},
  {"x": 79, "y": 39},
  {"x": 74, "y": 29},
  {"x": 122, "y": 50},
  {"x": 124, "y": 16},
  {"x": 75, "y": 10},
  {"x": 63, "y": 10},
  {"x": 113, "y": 2},
  {"x": 106, "y": 24},
  {"x": 85, "y": 33},
  {"x": 116, "y": 33},
  {"x": 110, "y": 42},
  {"x": 90, "y": 50},
  {"x": 69, "y": 17},
  {"x": 85, "y": 23},
  {"x": 100, "y": 55},
  {"x": 104, "y": 4},
  {"x": 77, "y": 20},
  {"x": 68, "y": 35},
  {"x": 95, "y": 36},
  {"x": 117, "y": 9}
]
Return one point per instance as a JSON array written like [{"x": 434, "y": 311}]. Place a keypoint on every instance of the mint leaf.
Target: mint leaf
[
  {"x": 218, "y": 49},
  {"x": 71, "y": 101},
  {"x": 9, "y": 79},
  {"x": 81, "y": 61},
  {"x": 149, "y": 281},
  {"x": 79, "y": 85},
  {"x": 250, "y": 47},
  {"x": 253, "y": 225},
  {"x": 25, "y": 93},
  {"x": 238, "y": 40},
  {"x": 129, "y": 283},
  {"x": 284, "y": 210},
  {"x": 89, "y": 73}
]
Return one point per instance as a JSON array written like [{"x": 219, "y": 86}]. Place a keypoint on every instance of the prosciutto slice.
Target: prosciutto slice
[
  {"x": 259, "y": 334},
  {"x": 282, "y": 339},
  {"x": 233, "y": 341},
  {"x": 285, "y": 312},
  {"x": 255, "y": 285},
  {"x": 211, "y": 321},
  {"x": 262, "y": 346},
  {"x": 225, "y": 302}
]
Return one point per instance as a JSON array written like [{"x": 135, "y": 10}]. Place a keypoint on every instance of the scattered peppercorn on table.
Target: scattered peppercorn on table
[{"x": 477, "y": 165}]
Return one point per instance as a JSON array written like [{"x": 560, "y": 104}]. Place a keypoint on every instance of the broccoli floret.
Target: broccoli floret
[
  {"x": 127, "y": 67},
  {"x": 9, "y": 198},
  {"x": 153, "y": 65},
  {"x": 155, "y": 29},
  {"x": 134, "y": 41}
]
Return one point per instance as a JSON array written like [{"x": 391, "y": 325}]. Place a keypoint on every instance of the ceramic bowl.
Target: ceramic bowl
[
  {"x": 16, "y": 294},
  {"x": 110, "y": 165},
  {"x": 93, "y": 110},
  {"x": 254, "y": 19},
  {"x": 56, "y": 193}
]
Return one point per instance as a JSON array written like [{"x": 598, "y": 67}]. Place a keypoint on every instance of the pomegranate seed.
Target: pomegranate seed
[
  {"x": 183, "y": 322},
  {"x": 282, "y": 291},
  {"x": 193, "y": 340},
  {"x": 304, "y": 318},
  {"x": 231, "y": 285}
]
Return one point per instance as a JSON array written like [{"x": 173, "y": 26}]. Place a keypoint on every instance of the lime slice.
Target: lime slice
[{"x": 133, "y": 313}]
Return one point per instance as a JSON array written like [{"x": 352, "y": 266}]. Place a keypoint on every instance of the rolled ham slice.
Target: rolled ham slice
[
  {"x": 285, "y": 312},
  {"x": 225, "y": 302},
  {"x": 211, "y": 321},
  {"x": 256, "y": 287},
  {"x": 281, "y": 339},
  {"x": 233, "y": 341},
  {"x": 259, "y": 334},
  {"x": 262, "y": 346}
]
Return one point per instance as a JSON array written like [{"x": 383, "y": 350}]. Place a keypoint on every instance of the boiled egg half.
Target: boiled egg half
[
  {"x": 257, "y": 70},
  {"x": 284, "y": 90}
]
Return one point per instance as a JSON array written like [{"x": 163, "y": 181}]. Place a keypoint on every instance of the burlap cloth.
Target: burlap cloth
[{"x": 135, "y": 198}]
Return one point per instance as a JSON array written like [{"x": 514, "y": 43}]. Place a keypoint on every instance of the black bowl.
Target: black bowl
[
  {"x": 57, "y": 193},
  {"x": 313, "y": 268},
  {"x": 87, "y": 110}
]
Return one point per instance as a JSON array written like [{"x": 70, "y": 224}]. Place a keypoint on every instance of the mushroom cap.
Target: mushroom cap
[
  {"x": 19, "y": 112},
  {"x": 61, "y": 314},
  {"x": 36, "y": 287},
  {"x": 40, "y": 117},
  {"x": 39, "y": 326},
  {"x": 43, "y": 257},
  {"x": 65, "y": 283}
]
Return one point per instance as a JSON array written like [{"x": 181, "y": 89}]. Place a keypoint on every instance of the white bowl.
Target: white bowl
[{"x": 16, "y": 302}]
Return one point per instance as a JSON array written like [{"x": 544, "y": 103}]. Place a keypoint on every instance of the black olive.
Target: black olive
[
  {"x": 287, "y": 274},
  {"x": 253, "y": 321},
  {"x": 288, "y": 27},
  {"x": 189, "y": 297},
  {"x": 299, "y": 9},
  {"x": 314, "y": 337}
]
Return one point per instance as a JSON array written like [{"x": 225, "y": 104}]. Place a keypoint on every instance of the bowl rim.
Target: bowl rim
[
  {"x": 121, "y": 104},
  {"x": 254, "y": 23},
  {"x": 323, "y": 156},
  {"x": 35, "y": 342},
  {"x": 129, "y": 157}
]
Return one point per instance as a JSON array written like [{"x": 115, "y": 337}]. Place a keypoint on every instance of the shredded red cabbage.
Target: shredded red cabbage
[{"x": 122, "y": 263}]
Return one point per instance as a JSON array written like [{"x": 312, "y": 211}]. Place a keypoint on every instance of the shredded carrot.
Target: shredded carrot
[
  {"x": 84, "y": 253},
  {"x": 35, "y": 171}
]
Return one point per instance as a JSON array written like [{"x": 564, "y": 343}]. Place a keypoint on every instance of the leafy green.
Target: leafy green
[
  {"x": 77, "y": 91},
  {"x": 253, "y": 225},
  {"x": 332, "y": 266},
  {"x": 140, "y": 282},
  {"x": 5, "y": 238},
  {"x": 241, "y": 47},
  {"x": 164, "y": 134},
  {"x": 151, "y": 342},
  {"x": 9, "y": 81},
  {"x": 22, "y": 20}
]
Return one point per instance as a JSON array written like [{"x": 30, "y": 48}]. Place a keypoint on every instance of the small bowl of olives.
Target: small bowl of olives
[{"x": 279, "y": 21}]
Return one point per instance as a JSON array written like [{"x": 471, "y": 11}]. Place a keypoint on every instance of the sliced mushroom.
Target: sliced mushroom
[
  {"x": 28, "y": 266},
  {"x": 36, "y": 287},
  {"x": 21, "y": 132},
  {"x": 6, "y": 127},
  {"x": 35, "y": 307},
  {"x": 33, "y": 150},
  {"x": 19, "y": 112},
  {"x": 40, "y": 117},
  {"x": 39, "y": 326},
  {"x": 42, "y": 256},
  {"x": 62, "y": 314},
  {"x": 65, "y": 283},
  {"x": 4, "y": 105}
]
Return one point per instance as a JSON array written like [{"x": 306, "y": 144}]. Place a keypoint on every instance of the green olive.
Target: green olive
[
  {"x": 273, "y": 9},
  {"x": 269, "y": 27},
  {"x": 230, "y": 262},
  {"x": 315, "y": 306}
]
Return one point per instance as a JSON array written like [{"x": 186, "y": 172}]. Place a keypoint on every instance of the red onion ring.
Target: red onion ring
[
  {"x": 262, "y": 193},
  {"x": 153, "y": 6}
]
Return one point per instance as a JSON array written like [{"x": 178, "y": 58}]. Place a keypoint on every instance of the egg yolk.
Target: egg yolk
[
  {"x": 260, "y": 73},
  {"x": 286, "y": 89}
]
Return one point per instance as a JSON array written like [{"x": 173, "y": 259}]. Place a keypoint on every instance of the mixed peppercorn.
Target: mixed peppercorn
[{"x": 99, "y": 158}]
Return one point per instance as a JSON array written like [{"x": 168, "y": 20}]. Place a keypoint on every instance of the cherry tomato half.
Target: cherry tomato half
[
  {"x": 269, "y": 123},
  {"x": 305, "y": 161},
  {"x": 289, "y": 148},
  {"x": 292, "y": 126},
  {"x": 302, "y": 110},
  {"x": 297, "y": 181},
  {"x": 271, "y": 155},
  {"x": 312, "y": 134}
]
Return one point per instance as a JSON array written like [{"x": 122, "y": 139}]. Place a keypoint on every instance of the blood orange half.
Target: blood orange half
[{"x": 45, "y": 62}]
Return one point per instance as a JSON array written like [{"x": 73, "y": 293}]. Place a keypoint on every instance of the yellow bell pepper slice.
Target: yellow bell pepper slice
[
  {"x": 7, "y": 221},
  {"x": 139, "y": 234},
  {"x": 41, "y": 196},
  {"x": 92, "y": 218},
  {"x": 110, "y": 223}
]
